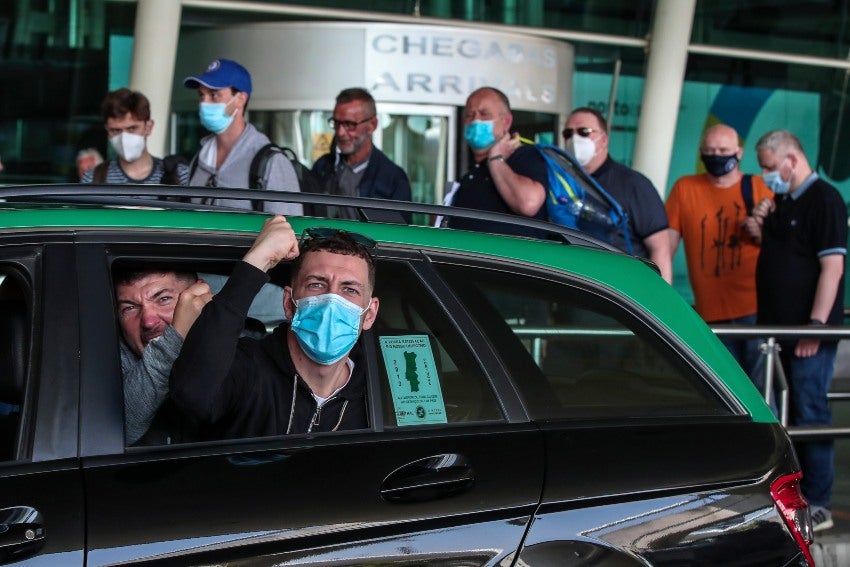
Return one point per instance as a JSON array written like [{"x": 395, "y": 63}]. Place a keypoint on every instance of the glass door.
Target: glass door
[{"x": 419, "y": 138}]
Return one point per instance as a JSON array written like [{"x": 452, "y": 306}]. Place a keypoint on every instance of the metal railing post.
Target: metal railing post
[{"x": 767, "y": 350}]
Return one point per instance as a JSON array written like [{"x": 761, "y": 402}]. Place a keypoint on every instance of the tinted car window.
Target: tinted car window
[
  {"x": 428, "y": 375},
  {"x": 14, "y": 347},
  {"x": 577, "y": 354}
]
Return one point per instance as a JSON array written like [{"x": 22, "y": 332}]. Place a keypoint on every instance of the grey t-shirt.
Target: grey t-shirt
[
  {"x": 347, "y": 179},
  {"x": 234, "y": 171}
]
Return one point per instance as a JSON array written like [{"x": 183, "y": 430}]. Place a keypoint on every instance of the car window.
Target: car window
[
  {"x": 14, "y": 349},
  {"x": 428, "y": 373},
  {"x": 575, "y": 353},
  {"x": 266, "y": 311}
]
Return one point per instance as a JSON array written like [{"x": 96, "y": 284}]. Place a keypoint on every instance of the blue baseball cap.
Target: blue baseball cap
[{"x": 221, "y": 74}]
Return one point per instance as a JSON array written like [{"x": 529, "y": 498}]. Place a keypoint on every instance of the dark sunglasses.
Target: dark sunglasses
[
  {"x": 584, "y": 132},
  {"x": 321, "y": 232}
]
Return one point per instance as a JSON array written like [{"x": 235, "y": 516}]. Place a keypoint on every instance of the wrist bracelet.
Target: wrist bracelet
[
  {"x": 497, "y": 157},
  {"x": 816, "y": 322}
]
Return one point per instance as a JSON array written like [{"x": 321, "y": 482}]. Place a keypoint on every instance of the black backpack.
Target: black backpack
[{"x": 308, "y": 182}]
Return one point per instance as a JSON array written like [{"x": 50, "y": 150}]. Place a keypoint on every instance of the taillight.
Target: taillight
[{"x": 795, "y": 510}]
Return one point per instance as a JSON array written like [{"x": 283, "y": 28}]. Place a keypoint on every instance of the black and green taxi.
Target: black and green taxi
[{"x": 576, "y": 411}]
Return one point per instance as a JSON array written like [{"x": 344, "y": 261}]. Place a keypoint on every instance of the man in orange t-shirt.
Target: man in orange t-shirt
[{"x": 708, "y": 211}]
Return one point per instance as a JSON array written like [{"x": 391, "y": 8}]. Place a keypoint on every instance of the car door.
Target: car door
[
  {"x": 648, "y": 454},
  {"x": 458, "y": 487},
  {"x": 41, "y": 492}
]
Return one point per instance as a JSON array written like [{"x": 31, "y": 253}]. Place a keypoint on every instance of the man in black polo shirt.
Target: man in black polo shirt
[
  {"x": 586, "y": 136},
  {"x": 506, "y": 177},
  {"x": 800, "y": 281}
]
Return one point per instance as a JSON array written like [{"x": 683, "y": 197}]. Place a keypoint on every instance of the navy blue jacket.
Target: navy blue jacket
[{"x": 382, "y": 179}]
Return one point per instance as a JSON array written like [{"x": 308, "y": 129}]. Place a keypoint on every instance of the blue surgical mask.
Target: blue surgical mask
[
  {"x": 326, "y": 326},
  {"x": 479, "y": 134},
  {"x": 214, "y": 116},
  {"x": 774, "y": 182}
]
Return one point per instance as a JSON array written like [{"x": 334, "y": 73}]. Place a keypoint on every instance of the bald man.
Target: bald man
[{"x": 708, "y": 211}]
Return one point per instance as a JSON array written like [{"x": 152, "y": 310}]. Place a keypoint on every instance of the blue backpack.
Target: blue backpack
[{"x": 576, "y": 200}]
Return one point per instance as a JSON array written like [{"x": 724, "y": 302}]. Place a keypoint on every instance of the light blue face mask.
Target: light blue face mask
[
  {"x": 479, "y": 134},
  {"x": 214, "y": 116},
  {"x": 326, "y": 326},
  {"x": 774, "y": 182}
]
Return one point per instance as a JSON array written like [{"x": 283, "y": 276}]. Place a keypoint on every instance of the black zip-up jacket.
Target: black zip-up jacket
[{"x": 242, "y": 387}]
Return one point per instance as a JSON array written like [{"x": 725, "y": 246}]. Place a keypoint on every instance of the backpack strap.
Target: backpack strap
[
  {"x": 257, "y": 171},
  {"x": 747, "y": 193},
  {"x": 99, "y": 173},
  {"x": 193, "y": 166},
  {"x": 171, "y": 169}
]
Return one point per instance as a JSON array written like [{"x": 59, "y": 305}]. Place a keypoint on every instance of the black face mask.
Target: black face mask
[{"x": 719, "y": 166}]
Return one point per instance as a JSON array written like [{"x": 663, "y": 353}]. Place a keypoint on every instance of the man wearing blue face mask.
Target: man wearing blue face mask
[
  {"x": 303, "y": 377},
  {"x": 506, "y": 176},
  {"x": 800, "y": 281},
  {"x": 226, "y": 154}
]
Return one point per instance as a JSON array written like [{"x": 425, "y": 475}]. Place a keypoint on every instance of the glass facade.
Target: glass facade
[{"x": 59, "y": 57}]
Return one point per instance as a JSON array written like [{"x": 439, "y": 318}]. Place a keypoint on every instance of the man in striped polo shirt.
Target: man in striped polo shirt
[{"x": 127, "y": 118}]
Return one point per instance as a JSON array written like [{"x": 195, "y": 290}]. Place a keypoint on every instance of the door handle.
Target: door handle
[
  {"x": 430, "y": 478},
  {"x": 22, "y": 533}
]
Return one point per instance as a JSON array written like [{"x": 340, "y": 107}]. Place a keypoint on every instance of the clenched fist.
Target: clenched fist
[
  {"x": 275, "y": 243},
  {"x": 189, "y": 306}
]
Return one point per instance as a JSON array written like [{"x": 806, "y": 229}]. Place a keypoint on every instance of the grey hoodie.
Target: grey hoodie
[{"x": 146, "y": 381}]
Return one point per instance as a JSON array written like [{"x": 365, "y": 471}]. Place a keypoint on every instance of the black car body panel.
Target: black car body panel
[
  {"x": 549, "y": 453},
  {"x": 707, "y": 505}
]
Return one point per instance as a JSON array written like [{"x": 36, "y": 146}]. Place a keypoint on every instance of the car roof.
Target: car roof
[{"x": 582, "y": 257}]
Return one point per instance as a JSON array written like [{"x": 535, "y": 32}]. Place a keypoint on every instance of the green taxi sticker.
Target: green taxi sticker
[{"x": 414, "y": 383}]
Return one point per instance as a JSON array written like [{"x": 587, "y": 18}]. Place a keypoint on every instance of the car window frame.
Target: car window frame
[
  {"x": 48, "y": 429},
  {"x": 23, "y": 266},
  {"x": 99, "y": 250},
  {"x": 446, "y": 305}
]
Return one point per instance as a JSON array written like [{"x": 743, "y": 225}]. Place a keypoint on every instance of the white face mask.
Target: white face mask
[
  {"x": 582, "y": 147},
  {"x": 129, "y": 146}
]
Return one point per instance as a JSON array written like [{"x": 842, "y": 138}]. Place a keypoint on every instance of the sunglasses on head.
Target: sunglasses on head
[
  {"x": 584, "y": 132},
  {"x": 322, "y": 232}
]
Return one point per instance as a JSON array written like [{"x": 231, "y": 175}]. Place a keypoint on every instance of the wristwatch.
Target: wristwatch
[
  {"x": 497, "y": 157},
  {"x": 816, "y": 322}
]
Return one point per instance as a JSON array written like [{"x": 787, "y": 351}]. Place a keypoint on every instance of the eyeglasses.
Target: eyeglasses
[
  {"x": 584, "y": 132},
  {"x": 323, "y": 232},
  {"x": 347, "y": 125}
]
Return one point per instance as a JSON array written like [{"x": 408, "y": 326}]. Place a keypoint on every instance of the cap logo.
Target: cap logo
[{"x": 213, "y": 66}]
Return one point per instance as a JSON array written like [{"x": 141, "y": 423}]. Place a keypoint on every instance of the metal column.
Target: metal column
[
  {"x": 154, "y": 52},
  {"x": 665, "y": 74}
]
